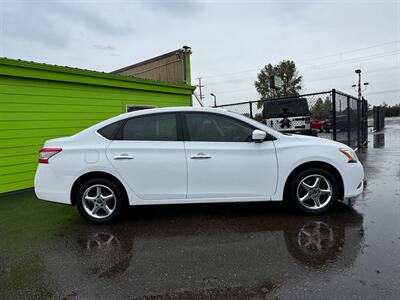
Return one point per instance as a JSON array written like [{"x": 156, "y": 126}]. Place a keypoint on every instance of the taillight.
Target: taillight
[
  {"x": 307, "y": 120},
  {"x": 46, "y": 153}
]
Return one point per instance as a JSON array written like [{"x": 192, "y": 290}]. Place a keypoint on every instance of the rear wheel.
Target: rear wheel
[
  {"x": 100, "y": 201},
  {"x": 314, "y": 190}
]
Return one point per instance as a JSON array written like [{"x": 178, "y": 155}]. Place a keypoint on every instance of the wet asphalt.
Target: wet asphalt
[{"x": 220, "y": 251}]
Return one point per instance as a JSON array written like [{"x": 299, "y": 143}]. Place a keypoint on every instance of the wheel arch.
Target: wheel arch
[
  {"x": 95, "y": 174},
  {"x": 315, "y": 164}
]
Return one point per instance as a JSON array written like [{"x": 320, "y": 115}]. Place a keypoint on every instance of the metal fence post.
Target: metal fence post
[
  {"x": 348, "y": 123},
  {"x": 334, "y": 114},
  {"x": 364, "y": 118},
  {"x": 251, "y": 109},
  {"x": 359, "y": 123}
]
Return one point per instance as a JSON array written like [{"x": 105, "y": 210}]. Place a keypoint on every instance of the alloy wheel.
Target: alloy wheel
[
  {"x": 314, "y": 192},
  {"x": 99, "y": 201}
]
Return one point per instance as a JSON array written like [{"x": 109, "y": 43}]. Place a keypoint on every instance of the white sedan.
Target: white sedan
[{"x": 192, "y": 155}]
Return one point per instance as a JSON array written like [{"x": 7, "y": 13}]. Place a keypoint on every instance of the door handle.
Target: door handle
[
  {"x": 200, "y": 156},
  {"x": 123, "y": 156}
]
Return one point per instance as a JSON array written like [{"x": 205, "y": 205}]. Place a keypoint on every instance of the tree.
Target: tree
[
  {"x": 321, "y": 109},
  {"x": 292, "y": 82},
  {"x": 392, "y": 111}
]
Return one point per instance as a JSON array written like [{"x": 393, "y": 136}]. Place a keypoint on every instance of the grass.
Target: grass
[
  {"x": 26, "y": 224},
  {"x": 25, "y": 220}
]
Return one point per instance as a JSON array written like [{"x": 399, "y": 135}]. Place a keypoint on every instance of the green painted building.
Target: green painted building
[{"x": 40, "y": 102}]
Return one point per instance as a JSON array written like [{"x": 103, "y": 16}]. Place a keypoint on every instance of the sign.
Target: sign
[{"x": 275, "y": 82}]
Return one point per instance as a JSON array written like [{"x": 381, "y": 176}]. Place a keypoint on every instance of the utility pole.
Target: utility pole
[{"x": 200, "y": 86}]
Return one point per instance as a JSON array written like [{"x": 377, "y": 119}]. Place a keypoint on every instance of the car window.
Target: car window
[
  {"x": 160, "y": 127},
  {"x": 207, "y": 127},
  {"x": 288, "y": 107},
  {"x": 110, "y": 131}
]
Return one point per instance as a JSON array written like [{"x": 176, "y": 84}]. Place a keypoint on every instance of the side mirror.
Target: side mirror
[{"x": 258, "y": 135}]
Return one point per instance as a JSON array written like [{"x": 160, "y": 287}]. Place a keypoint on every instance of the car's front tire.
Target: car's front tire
[
  {"x": 100, "y": 201},
  {"x": 314, "y": 191}
]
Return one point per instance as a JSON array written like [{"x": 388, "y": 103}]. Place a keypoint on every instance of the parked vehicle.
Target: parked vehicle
[
  {"x": 192, "y": 155},
  {"x": 317, "y": 124},
  {"x": 288, "y": 115},
  {"x": 341, "y": 124}
]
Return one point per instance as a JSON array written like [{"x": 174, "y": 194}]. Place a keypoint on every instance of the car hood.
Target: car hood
[{"x": 315, "y": 140}]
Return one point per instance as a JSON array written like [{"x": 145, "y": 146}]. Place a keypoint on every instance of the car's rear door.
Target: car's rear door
[
  {"x": 222, "y": 164},
  {"x": 149, "y": 154}
]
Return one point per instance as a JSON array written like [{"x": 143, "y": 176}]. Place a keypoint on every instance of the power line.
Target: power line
[
  {"x": 349, "y": 61},
  {"x": 352, "y": 51},
  {"x": 310, "y": 59},
  {"x": 351, "y": 75},
  {"x": 316, "y": 80},
  {"x": 358, "y": 59},
  {"x": 383, "y": 92}
]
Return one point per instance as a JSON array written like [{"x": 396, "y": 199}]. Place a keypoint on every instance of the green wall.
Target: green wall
[{"x": 39, "y": 102}]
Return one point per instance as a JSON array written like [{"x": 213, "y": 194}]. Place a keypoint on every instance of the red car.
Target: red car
[{"x": 317, "y": 124}]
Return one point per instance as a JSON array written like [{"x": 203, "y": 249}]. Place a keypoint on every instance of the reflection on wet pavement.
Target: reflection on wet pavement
[
  {"x": 379, "y": 140},
  {"x": 229, "y": 251}
]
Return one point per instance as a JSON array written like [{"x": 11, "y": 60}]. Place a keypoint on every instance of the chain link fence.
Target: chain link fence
[{"x": 331, "y": 114}]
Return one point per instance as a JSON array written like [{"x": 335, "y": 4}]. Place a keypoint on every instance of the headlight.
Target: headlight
[{"x": 350, "y": 154}]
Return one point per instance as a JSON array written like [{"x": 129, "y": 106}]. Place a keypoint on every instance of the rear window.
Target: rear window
[
  {"x": 110, "y": 131},
  {"x": 286, "y": 107}
]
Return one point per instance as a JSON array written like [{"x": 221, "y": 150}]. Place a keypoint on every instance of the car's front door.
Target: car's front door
[
  {"x": 223, "y": 163},
  {"x": 149, "y": 154}
]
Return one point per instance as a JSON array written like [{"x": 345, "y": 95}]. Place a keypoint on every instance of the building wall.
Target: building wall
[
  {"x": 171, "y": 67},
  {"x": 40, "y": 102}
]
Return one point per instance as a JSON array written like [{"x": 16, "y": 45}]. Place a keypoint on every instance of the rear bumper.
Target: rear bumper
[{"x": 52, "y": 187}]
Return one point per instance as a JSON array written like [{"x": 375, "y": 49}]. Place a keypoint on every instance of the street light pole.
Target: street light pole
[
  {"x": 358, "y": 71},
  {"x": 215, "y": 99}
]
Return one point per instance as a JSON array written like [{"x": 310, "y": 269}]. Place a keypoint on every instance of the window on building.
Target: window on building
[{"x": 130, "y": 108}]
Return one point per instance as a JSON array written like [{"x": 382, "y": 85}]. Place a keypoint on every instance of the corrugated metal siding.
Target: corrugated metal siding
[
  {"x": 170, "y": 67},
  {"x": 35, "y": 110}
]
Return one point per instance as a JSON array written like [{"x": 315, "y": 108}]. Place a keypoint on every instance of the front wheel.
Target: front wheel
[
  {"x": 314, "y": 191},
  {"x": 100, "y": 201}
]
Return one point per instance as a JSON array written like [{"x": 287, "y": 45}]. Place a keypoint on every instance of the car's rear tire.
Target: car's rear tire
[
  {"x": 100, "y": 201},
  {"x": 314, "y": 190}
]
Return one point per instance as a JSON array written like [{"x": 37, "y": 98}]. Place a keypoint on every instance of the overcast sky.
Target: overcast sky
[{"x": 230, "y": 40}]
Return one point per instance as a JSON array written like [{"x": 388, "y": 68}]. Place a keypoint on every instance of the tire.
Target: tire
[
  {"x": 100, "y": 207},
  {"x": 311, "y": 196}
]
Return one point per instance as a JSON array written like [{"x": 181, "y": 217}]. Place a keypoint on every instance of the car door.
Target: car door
[
  {"x": 222, "y": 163},
  {"x": 149, "y": 154}
]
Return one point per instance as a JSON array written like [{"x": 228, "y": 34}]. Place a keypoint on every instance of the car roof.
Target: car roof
[
  {"x": 183, "y": 109},
  {"x": 169, "y": 109},
  {"x": 174, "y": 109}
]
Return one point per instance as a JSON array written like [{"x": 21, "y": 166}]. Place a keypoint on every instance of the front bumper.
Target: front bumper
[{"x": 353, "y": 179}]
